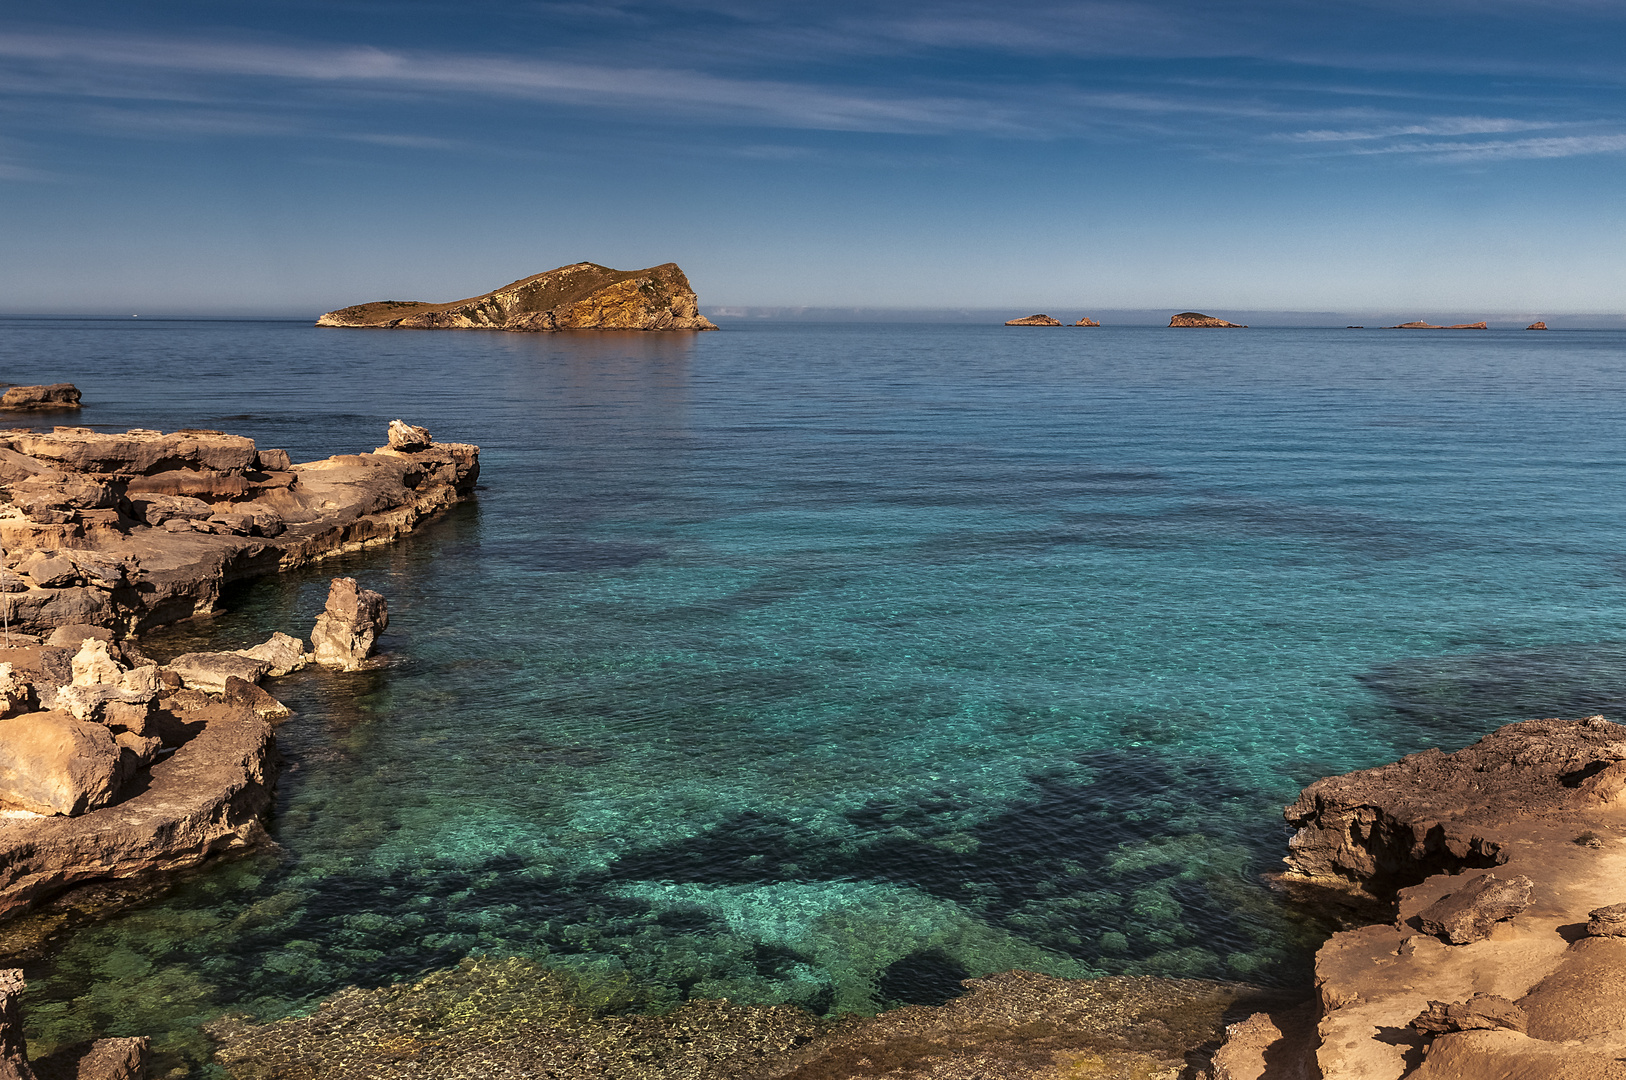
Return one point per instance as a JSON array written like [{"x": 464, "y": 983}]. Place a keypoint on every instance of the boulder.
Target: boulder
[
  {"x": 347, "y": 631},
  {"x": 1537, "y": 326},
  {"x": 1086, "y": 321},
  {"x": 1035, "y": 320},
  {"x": 1484, "y": 1012},
  {"x": 60, "y": 395},
  {"x": 1466, "y": 915},
  {"x": 283, "y": 652},
  {"x": 274, "y": 461},
  {"x": 72, "y": 637},
  {"x": 407, "y": 437},
  {"x": 157, "y": 510},
  {"x": 1607, "y": 921},
  {"x": 93, "y": 666},
  {"x": 209, "y": 671},
  {"x": 51, "y": 571},
  {"x": 103, "y": 704},
  {"x": 51, "y": 763}
]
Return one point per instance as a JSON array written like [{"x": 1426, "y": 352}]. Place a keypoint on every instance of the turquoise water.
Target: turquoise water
[{"x": 834, "y": 664}]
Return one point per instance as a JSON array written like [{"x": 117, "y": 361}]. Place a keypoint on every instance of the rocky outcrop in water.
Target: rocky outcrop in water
[
  {"x": 138, "y": 529},
  {"x": 1034, "y": 320},
  {"x": 1086, "y": 321},
  {"x": 56, "y": 396},
  {"x": 347, "y": 630},
  {"x": 1537, "y": 326},
  {"x": 1461, "y": 974},
  {"x": 1197, "y": 318},
  {"x": 582, "y": 296},
  {"x": 1432, "y": 326},
  {"x": 104, "y": 1059}
]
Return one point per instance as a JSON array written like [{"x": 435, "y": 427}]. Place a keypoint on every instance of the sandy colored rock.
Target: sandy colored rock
[
  {"x": 244, "y": 694},
  {"x": 1607, "y": 921},
  {"x": 1467, "y": 914},
  {"x": 1537, "y": 326},
  {"x": 582, "y": 296},
  {"x": 1035, "y": 320},
  {"x": 1277, "y": 1045},
  {"x": 103, "y": 1059},
  {"x": 56, "y": 396},
  {"x": 1197, "y": 318},
  {"x": 405, "y": 436},
  {"x": 94, "y": 666},
  {"x": 284, "y": 652},
  {"x": 1086, "y": 321},
  {"x": 346, "y": 632},
  {"x": 51, "y": 763},
  {"x": 209, "y": 671},
  {"x": 1482, "y": 1012}
]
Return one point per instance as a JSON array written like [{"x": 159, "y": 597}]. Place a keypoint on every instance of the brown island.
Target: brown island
[
  {"x": 582, "y": 296},
  {"x": 1197, "y": 318}
]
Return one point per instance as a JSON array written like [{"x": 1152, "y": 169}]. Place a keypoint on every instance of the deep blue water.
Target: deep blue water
[{"x": 831, "y": 664}]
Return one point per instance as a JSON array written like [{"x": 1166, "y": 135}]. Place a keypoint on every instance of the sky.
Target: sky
[{"x": 1420, "y": 156}]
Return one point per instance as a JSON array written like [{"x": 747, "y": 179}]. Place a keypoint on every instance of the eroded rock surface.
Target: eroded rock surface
[
  {"x": 582, "y": 296},
  {"x": 142, "y": 528},
  {"x": 1541, "y": 802},
  {"x": 104, "y": 1059},
  {"x": 347, "y": 630},
  {"x": 56, "y": 396}
]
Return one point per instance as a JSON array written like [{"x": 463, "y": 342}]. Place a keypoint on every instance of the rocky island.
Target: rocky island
[
  {"x": 582, "y": 296},
  {"x": 1197, "y": 318},
  {"x": 1431, "y": 326},
  {"x": 1035, "y": 320}
]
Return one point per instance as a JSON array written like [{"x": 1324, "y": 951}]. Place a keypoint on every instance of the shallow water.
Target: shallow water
[{"x": 834, "y": 664}]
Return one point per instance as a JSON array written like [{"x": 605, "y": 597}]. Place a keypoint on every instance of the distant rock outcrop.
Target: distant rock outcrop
[
  {"x": 1537, "y": 326},
  {"x": 1433, "y": 326},
  {"x": 583, "y": 296},
  {"x": 60, "y": 395},
  {"x": 1086, "y": 321},
  {"x": 1197, "y": 318},
  {"x": 1035, "y": 320}
]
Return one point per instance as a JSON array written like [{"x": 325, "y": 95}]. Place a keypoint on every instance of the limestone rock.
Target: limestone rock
[
  {"x": 405, "y": 436},
  {"x": 209, "y": 671},
  {"x": 272, "y": 461},
  {"x": 1483, "y": 1012},
  {"x": 13, "y": 1049},
  {"x": 16, "y": 692},
  {"x": 246, "y": 695},
  {"x": 56, "y": 396},
  {"x": 1279, "y": 1045},
  {"x": 1035, "y": 320},
  {"x": 1466, "y": 915},
  {"x": 1537, "y": 326},
  {"x": 72, "y": 637},
  {"x": 582, "y": 296},
  {"x": 93, "y": 666},
  {"x": 1086, "y": 321},
  {"x": 103, "y": 704},
  {"x": 1607, "y": 921},
  {"x": 51, "y": 763},
  {"x": 1196, "y": 318},
  {"x": 283, "y": 652},
  {"x": 347, "y": 631}
]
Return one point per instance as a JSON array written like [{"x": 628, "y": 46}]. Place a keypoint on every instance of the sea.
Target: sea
[{"x": 834, "y": 664}]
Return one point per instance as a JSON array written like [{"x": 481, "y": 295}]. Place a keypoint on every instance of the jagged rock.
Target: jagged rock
[
  {"x": 347, "y": 631},
  {"x": 1086, "y": 321},
  {"x": 283, "y": 652},
  {"x": 1197, "y": 318},
  {"x": 1607, "y": 921},
  {"x": 93, "y": 666},
  {"x": 51, "y": 763},
  {"x": 1537, "y": 326},
  {"x": 246, "y": 695},
  {"x": 209, "y": 671},
  {"x": 13, "y": 1048},
  {"x": 102, "y": 704},
  {"x": 1484, "y": 1012},
  {"x": 1035, "y": 320},
  {"x": 56, "y": 396},
  {"x": 405, "y": 436},
  {"x": 583, "y": 296},
  {"x": 16, "y": 692}
]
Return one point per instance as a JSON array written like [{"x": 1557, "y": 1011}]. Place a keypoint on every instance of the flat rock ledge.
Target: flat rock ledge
[
  {"x": 136, "y": 529},
  {"x": 208, "y": 796},
  {"x": 1492, "y": 882}
]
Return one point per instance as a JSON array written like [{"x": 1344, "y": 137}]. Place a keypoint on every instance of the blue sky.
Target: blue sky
[{"x": 292, "y": 157}]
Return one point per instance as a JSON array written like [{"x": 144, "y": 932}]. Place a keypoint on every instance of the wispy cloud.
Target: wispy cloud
[{"x": 1501, "y": 150}]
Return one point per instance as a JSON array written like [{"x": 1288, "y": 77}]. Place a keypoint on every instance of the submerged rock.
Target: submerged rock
[
  {"x": 582, "y": 296},
  {"x": 347, "y": 630},
  {"x": 103, "y": 1059}
]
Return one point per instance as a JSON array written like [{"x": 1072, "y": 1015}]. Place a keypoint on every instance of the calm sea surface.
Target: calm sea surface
[{"x": 833, "y": 664}]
